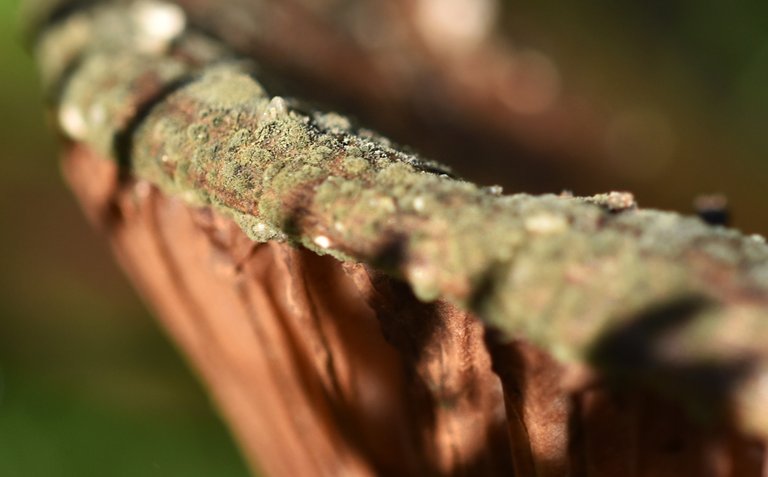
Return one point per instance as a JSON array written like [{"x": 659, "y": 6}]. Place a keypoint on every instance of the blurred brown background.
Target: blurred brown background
[{"x": 668, "y": 99}]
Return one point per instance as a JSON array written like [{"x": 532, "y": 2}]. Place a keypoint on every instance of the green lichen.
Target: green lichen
[{"x": 561, "y": 271}]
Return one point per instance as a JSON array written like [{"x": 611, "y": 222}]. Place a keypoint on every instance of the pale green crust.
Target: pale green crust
[{"x": 560, "y": 271}]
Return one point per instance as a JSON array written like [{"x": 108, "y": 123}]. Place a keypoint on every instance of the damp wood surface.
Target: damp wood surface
[{"x": 398, "y": 318}]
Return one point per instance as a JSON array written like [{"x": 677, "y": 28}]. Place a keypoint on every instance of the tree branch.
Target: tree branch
[{"x": 648, "y": 296}]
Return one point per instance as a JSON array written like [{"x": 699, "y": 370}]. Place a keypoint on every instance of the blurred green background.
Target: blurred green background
[
  {"x": 88, "y": 383},
  {"x": 89, "y": 386},
  {"x": 684, "y": 84}
]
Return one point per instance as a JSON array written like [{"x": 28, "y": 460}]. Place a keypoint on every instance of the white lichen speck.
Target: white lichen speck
[
  {"x": 275, "y": 108},
  {"x": 322, "y": 241},
  {"x": 158, "y": 23},
  {"x": 73, "y": 122},
  {"x": 545, "y": 224}
]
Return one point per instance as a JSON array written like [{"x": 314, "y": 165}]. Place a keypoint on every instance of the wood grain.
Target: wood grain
[{"x": 329, "y": 368}]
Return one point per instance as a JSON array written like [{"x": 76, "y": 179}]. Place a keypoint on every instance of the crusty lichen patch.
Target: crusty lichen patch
[{"x": 561, "y": 271}]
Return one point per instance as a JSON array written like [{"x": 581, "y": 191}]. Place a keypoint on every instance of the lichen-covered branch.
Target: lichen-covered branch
[{"x": 660, "y": 299}]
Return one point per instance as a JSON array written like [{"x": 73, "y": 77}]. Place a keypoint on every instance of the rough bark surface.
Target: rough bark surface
[
  {"x": 327, "y": 368},
  {"x": 357, "y": 310}
]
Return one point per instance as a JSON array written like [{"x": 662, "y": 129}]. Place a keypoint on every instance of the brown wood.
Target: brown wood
[{"x": 324, "y": 368}]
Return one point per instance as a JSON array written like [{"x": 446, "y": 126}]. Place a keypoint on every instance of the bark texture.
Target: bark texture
[
  {"x": 358, "y": 310},
  {"x": 329, "y": 368}
]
